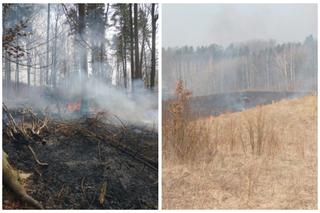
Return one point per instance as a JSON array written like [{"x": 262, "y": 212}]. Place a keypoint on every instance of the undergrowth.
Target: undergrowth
[
  {"x": 184, "y": 139},
  {"x": 188, "y": 139}
]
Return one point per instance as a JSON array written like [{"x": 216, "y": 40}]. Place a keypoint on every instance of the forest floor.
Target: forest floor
[
  {"x": 228, "y": 173},
  {"x": 91, "y": 165}
]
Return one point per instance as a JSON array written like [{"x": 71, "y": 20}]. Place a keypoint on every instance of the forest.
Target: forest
[
  {"x": 49, "y": 45},
  {"x": 252, "y": 65},
  {"x": 80, "y": 106}
]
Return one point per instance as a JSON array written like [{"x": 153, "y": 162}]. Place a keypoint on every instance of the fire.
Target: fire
[{"x": 71, "y": 107}]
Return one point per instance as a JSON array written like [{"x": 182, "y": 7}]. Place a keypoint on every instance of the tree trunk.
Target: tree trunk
[
  {"x": 268, "y": 69},
  {"x": 142, "y": 50},
  {"x": 136, "y": 43},
  {"x": 93, "y": 25},
  {"x": 103, "y": 24},
  {"x": 83, "y": 52},
  {"x": 153, "y": 51},
  {"x": 28, "y": 67},
  {"x": 7, "y": 72},
  {"x": 48, "y": 31},
  {"x": 17, "y": 81},
  {"x": 35, "y": 73},
  {"x": 83, "y": 58},
  {"x": 17, "y": 69},
  {"x": 105, "y": 69},
  {"x": 131, "y": 43},
  {"x": 124, "y": 60},
  {"x": 41, "y": 71},
  {"x": 54, "y": 72}
]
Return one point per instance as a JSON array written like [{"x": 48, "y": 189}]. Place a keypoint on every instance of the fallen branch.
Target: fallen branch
[
  {"x": 11, "y": 120},
  {"x": 124, "y": 150},
  {"x": 10, "y": 179},
  {"x": 83, "y": 191},
  {"x": 36, "y": 158},
  {"x": 103, "y": 191},
  {"x": 123, "y": 126}
]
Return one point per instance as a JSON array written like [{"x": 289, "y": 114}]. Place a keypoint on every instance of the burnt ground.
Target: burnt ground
[
  {"x": 217, "y": 104},
  {"x": 82, "y": 156}
]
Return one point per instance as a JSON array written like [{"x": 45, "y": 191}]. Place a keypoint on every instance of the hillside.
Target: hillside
[{"x": 261, "y": 158}]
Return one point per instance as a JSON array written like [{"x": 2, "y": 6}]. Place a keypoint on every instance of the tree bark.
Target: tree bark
[
  {"x": 28, "y": 66},
  {"x": 48, "y": 32},
  {"x": 153, "y": 51},
  {"x": 17, "y": 58},
  {"x": 83, "y": 58},
  {"x": 136, "y": 37},
  {"x": 83, "y": 51},
  {"x": 17, "y": 69},
  {"x": 54, "y": 73},
  {"x": 7, "y": 73},
  {"x": 131, "y": 43}
]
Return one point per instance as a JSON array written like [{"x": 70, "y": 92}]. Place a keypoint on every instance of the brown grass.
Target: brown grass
[
  {"x": 261, "y": 158},
  {"x": 184, "y": 140}
]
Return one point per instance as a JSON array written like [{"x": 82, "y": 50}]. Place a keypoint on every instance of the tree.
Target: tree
[
  {"x": 124, "y": 42},
  {"x": 252, "y": 65},
  {"x": 136, "y": 42},
  {"x": 154, "y": 18},
  {"x": 131, "y": 43},
  {"x": 28, "y": 65},
  {"x": 48, "y": 44},
  {"x": 97, "y": 22},
  {"x": 48, "y": 35},
  {"x": 83, "y": 57},
  {"x": 54, "y": 71},
  {"x": 83, "y": 50}
]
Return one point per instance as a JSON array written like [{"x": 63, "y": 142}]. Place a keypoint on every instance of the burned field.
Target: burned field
[
  {"x": 216, "y": 104},
  {"x": 81, "y": 163},
  {"x": 80, "y": 106}
]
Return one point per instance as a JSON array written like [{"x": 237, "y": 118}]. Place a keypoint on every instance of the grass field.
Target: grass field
[{"x": 260, "y": 158}]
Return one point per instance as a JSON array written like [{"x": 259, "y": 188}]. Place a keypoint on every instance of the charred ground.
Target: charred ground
[
  {"x": 84, "y": 155},
  {"x": 216, "y": 104}
]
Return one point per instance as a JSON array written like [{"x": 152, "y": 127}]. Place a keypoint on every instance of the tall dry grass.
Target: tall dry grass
[
  {"x": 263, "y": 157},
  {"x": 188, "y": 139}
]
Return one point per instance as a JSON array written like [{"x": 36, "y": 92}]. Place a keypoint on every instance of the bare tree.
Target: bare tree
[
  {"x": 154, "y": 18},
  {"x": 48, "y": 51}
]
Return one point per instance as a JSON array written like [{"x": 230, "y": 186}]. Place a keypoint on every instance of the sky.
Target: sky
[{"x": 204, "y": 24}]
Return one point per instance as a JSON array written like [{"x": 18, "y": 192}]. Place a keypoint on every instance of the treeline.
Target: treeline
[
  {"x": 252, "y": 65},
  {"x": 59, "y": 45}
]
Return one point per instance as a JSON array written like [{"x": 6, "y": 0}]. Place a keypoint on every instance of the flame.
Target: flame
[{"x": 71, "y": 107}]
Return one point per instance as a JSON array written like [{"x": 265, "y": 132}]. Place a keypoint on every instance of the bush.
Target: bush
[{"x": 184, "y": 139}]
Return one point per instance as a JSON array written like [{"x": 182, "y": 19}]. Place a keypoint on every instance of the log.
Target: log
[{"x": 11, "y": 180}]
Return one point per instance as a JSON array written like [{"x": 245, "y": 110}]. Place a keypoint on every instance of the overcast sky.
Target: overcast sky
[{"x": 203, "y": 24}]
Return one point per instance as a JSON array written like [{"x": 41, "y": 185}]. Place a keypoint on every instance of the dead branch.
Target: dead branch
[
  {"x": 103, "y": 191},
  {"x": 11, "y": 120},
  {"x": 83, "y": 190},
  {"x": 36, "y": 158},
  {"x": 122, "y": 124}
]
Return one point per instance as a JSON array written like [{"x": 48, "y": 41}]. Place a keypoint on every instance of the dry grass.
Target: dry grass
[
  {"x": 261, "y": 158},
  {"x": 185, "y": 140}
]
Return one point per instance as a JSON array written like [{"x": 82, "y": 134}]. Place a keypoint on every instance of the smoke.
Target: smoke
[
  {"x": 226, "y": 23},
  {"x": 139, "y": 107}
]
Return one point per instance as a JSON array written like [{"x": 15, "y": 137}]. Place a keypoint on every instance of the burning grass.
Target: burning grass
[
  {"x": 261, "y": 158},
  {"x": 82, "y": 163}
]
